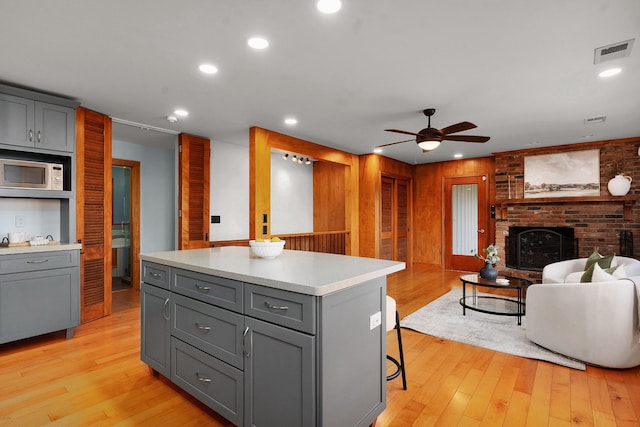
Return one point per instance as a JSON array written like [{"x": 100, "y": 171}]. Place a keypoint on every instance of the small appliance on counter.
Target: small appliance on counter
[{"x": 19, "y": 239}]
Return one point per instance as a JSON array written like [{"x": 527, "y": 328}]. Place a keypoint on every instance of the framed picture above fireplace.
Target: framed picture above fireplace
[{"x": 574, "y": 173}]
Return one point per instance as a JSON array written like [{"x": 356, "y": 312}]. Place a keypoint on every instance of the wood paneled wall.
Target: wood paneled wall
[
  {"x": 329, "y": 196},
  {"x": 428, "y": 203},
  {"x": 372, "y": 168}
]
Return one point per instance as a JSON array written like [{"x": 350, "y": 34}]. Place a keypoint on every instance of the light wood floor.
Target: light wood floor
[{"x": 97, "y": 378}]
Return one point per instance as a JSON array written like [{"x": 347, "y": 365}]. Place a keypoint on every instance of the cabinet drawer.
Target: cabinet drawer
[
  {"x": 156, "y": 274},
  {"x": 38, "y": 261},
  {"x": 225, "y": 293},
  {"x": 211, "y": 381},
  {"x": 293, "y": 310},
  {"x": 212, "y": 329}
]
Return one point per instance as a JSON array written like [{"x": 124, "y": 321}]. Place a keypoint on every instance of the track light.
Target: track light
[
  {"x": 309, "y": 161},
  {"x": 294, "y": 158},
  {"x": 285, "y": 156}
]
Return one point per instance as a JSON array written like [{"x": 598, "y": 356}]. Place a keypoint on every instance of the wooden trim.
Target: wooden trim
[
  {"x": 134, "y": 236},
  {"x": 261, "y": 142},
  {"x": 627, "y": 201},
  {"x": 568, "y": 147}
]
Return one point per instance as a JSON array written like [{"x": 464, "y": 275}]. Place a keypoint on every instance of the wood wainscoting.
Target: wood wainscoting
[{"x": 332, "y": 242}]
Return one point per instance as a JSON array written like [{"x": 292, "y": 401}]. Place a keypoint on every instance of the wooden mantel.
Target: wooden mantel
[{"x": 628, "y": 202}]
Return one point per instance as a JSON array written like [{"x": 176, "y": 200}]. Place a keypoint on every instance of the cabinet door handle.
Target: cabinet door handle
[
  {"x": 155, "y": 275},
  {"x": 30, "y": 135},
  {"x": 202, "y": 378},
  {"x": 275, "y": 307},
  {"x": 164, "y": 309},
  {"x": 204, "y": 289},
  {"x": 37, "y": 261},
  {"x": 246, "y": 352},
  {"x": 203, "y": 327},
  {"x": 39, "y": 135}
]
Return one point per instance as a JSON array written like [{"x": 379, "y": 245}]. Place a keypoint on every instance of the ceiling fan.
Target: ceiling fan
[{"x": 430, "y": 138}]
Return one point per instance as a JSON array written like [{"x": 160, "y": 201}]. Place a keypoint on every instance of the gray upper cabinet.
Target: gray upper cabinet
[
  {"x": 17, "y": 119},
  {"x": 32, "y": 120},
  {"x": 54, "y": 127}
]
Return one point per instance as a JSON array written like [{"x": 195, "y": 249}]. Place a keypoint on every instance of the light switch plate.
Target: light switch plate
[{"x": 375, "y": 320}]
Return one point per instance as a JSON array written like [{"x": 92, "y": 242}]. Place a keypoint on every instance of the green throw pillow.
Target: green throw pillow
[
  {"x": 603, "y": 261},
  {"x": 588, "y": 273}
]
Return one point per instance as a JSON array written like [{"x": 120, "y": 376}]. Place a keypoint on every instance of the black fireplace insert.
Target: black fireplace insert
[{"x": 531, "y": 248}]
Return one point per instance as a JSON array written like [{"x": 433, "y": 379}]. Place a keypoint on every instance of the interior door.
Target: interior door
[
  {"x": 94, "y": 212},
  {"x": 394, "y": 219},
  {"x": 467, "y": 228},
  {"x": 193, "y": 192}
]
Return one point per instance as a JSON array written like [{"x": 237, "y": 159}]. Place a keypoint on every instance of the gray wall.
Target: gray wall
[{"x": 157, "y": 193}]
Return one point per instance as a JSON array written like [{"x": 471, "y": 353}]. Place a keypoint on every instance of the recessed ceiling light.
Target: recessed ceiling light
[
  {"x": 172, "y": 119},
  {"x": 181, "y": 113},
  {"x": 329, "y": 6},
  {"x": 258, "y": 43},
  {"x": 377, "y": 150},
  {"x": 208, "y": 68},
  {"x": 609, "y": 72},
  {"x": 457, "y": 155},
  {"x": 290, "y": 121}
]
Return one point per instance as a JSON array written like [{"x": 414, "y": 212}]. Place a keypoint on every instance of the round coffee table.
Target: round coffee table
[{"x": 495, "y": 304}]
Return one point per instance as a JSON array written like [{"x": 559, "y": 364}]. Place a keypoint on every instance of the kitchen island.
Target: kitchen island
[{"x": 292, "y": 341}]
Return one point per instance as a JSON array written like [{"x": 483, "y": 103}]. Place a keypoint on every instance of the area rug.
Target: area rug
[{"x": 443, "y": 318}]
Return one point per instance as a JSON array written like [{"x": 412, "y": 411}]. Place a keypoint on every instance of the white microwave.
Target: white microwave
[{"x": 28, "y": 174}]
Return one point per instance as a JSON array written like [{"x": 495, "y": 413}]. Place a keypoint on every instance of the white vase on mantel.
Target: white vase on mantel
[{"x": 619, "y": 185}]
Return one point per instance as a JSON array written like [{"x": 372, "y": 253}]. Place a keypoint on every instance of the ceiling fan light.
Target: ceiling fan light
[{"x": 429, "y": 145}]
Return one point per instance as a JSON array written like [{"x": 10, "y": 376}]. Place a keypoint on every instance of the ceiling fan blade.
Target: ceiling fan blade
[
  {"x": 394, "y": 143},
  {"x": 458, "y": 127},
  {"x": 467, "y": 138},
  {"x": 401, "y": 131}
]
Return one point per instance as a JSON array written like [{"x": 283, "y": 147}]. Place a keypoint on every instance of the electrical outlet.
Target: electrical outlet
[
  {"x": 375, "y": 320},
  {"x": 19, "y": 220}
]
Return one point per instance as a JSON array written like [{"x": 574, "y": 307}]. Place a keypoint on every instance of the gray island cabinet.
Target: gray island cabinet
[
  {"x": 293, "y": 341},
  {"x": 39, "y": 291}
]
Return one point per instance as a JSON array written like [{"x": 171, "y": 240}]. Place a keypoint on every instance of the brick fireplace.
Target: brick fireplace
[{"x": 610, "y": 224}]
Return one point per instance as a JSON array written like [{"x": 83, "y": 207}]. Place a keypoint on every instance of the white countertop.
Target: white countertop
[
  {"x": 40, "y": 248},
  {"x": 310, "y": 273}
]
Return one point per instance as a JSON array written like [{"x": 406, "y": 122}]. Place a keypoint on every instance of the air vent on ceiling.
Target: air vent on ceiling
[
  {"x": 598, "y": 119},
  {"x": 613, "y": 51}
]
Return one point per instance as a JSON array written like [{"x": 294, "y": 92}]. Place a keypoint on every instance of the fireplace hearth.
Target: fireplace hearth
[{"x": 531, "y": 248}]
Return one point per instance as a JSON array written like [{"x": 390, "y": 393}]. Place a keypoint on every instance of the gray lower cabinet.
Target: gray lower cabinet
[
  {"x": 265, "y": 357},
  {"x": 155, "y": 328},
  {"x": 279, "y": 376},
  {"x": 39, "y": 293}
]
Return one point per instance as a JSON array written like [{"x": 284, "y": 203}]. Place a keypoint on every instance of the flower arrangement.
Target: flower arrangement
[{"x": 491, "y": 254}]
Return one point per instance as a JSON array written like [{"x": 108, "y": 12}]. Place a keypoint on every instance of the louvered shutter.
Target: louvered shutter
[
  {"x": 93, "y": 210},
  {"x": 193, "y": 188}
]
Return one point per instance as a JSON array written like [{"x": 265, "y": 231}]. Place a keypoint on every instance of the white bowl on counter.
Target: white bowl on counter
[{"x": 267, "y": 249}]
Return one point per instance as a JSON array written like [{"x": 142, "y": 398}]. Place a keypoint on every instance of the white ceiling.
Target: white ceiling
[{"x": 522, "y": 71}]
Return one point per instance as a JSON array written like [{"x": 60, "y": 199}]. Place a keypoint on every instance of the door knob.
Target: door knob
[{"x": 481, "y": 230}]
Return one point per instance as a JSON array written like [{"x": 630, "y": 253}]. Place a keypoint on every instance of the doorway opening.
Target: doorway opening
[{"x": 125, "y": 232}]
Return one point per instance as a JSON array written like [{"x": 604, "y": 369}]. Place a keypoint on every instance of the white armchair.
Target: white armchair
[{"x": 597, "y": 323}]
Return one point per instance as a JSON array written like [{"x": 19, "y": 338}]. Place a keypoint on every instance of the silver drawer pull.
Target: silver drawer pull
[
  {"x": 245, "y": 350},
  {"x": 165, "y": 312},
  {"x": 155, "y": 275},
  {"x": 37, "y": 261},
  {"x": 275, "y": 307},
  {"x": 205, "y": 289},
  {"x": 202, "y": 378},
  {"x": 202, "y": 327}
]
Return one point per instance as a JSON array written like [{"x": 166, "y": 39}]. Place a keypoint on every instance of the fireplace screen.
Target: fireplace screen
[{"x": 531, "y": 248}]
